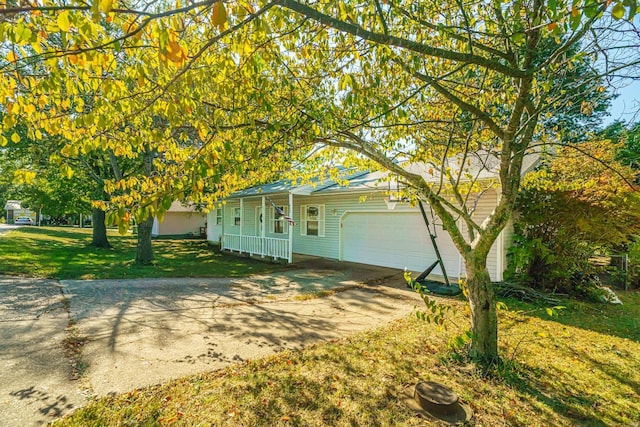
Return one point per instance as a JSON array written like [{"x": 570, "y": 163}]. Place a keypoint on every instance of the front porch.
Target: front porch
[
  {"x": 257, "y": 245},
  {"x": 257, "y": 225}
]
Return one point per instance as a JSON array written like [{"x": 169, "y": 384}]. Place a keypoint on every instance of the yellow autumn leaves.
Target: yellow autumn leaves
[
  {"x": 15, "y": 138},
  {"x": 219, "y": 15},
  {"x": 177, "y": 53}
]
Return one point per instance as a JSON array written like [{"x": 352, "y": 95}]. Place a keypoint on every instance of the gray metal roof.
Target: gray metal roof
[
  {"x": 285, "y": 186},
  {"x": 480, "y": 166}
]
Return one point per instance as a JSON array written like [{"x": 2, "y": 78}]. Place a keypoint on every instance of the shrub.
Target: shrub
[{"x": 572, "y": 206}]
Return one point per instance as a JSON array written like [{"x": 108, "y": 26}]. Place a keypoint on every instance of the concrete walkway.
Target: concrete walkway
[
  {"x": 5, "y": 228},
  {"x": 65, "y": 342}
]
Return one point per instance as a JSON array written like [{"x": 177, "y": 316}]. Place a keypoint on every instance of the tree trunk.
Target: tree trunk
[
  {"x": 144, "y": 253},
  {"x": 484, "y": 319},
  {"x": 99, "y": 229}
]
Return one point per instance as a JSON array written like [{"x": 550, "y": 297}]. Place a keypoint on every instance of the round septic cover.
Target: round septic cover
[
  {"x": 435, "y": 397},
  {"x": 437, "y": 402}
]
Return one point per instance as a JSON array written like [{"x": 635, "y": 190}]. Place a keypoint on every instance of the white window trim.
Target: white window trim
[
  {"x": 273, "y": 220},
  {"x": 239, "y": 216},
  {"x": 303, "y": 219},
  {"x": 219, "y": 216}
]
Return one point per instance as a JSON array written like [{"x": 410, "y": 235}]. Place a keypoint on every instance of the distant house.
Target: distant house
[
  {"x": 181, "y": 220},
  {"x": 15, "y": 210},
  {"x": 356, "y": 223}
]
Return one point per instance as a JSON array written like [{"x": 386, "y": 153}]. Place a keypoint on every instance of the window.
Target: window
[
  {"x": 236, "y": 216},
  {"x": 218, "y": 216},
  {"x": 312, "y": 220},
  {"x": 278, "y": 224}
]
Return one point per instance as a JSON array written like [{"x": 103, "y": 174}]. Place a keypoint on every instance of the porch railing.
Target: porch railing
[{"x": 256, "y": 245}]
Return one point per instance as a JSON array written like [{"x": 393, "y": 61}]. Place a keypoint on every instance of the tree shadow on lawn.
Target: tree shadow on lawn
[
  {"x": 590, "y": 388},
  {"x": 579, "y": 372},
  {"x": 533, "y": 383},
  {"x": 622, "y": 321},
  {"x": 67, "y": 254}
]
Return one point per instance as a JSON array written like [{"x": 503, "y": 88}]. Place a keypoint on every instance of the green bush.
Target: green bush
[
  {"x": 551, "y": 241},
  {"x": 570, "y": 208}
]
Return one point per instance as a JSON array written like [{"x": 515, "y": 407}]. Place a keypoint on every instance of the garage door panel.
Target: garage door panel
[{"x": 394, "y": 239}]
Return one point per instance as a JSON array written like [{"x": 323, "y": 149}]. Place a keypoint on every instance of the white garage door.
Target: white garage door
[{"x": 397, "y": 240}]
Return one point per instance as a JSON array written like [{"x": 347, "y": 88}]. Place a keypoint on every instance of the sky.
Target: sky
[{"x": 627, "y": 105}]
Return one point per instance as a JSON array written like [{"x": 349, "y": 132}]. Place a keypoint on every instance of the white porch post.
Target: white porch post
[
  {"x": 241, "y": 221},
  {"x": 222, "y": 227},
  {"x": 290, "y": 228},
  {"x": 263, "y": 227}
]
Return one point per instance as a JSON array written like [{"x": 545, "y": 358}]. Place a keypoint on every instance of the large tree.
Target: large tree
[{"x": 233, "y": 84}]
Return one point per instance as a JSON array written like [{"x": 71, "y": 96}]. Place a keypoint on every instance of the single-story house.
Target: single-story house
[
  {"x": 356, "y": 223},
  {"x": 15, "y": 210},
  {"x": 180, "y": 220}
]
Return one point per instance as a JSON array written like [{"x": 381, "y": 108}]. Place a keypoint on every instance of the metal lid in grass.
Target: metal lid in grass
[{"x": 436, "y": 402}]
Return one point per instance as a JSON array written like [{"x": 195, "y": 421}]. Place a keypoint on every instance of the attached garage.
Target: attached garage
[{"x": 395, "y": 239}]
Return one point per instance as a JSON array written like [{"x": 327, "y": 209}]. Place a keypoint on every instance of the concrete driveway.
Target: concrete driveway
[
  {"x": 63, "y": 342},
  {"x": 5, "y": 228}
]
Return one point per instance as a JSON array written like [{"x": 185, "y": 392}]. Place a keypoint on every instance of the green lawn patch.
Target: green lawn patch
[
  {"x": 64, "y": 253},
  {"x": 556, "y": 373},
  {"x": 603, "y": 318}
]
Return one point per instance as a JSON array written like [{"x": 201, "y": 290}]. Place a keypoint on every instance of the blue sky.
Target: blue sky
[{"x": 627, "y": 106}]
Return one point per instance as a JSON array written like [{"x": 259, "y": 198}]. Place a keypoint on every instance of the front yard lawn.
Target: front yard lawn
[{"x": 64, "y": 253}]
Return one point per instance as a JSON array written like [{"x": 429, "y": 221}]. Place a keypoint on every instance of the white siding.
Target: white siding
[
  {"x": 178, "y": 223},
  {"x": 214, "y": 231},
  {"x": 229, "y": 225}
]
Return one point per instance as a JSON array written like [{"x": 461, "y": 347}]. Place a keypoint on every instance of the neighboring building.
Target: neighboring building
[
  {"x": 14, "y": 211},
  {"x": 181, "y": 220},
  {"x": 354, "y": 223}
]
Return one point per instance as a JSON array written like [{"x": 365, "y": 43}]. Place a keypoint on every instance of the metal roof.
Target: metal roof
[
  {"x": 480, "y": 166},
  {"x": 285, "y": 186}
]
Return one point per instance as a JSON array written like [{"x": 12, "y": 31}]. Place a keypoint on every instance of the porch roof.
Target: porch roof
[{"x": 286, "y": 186}]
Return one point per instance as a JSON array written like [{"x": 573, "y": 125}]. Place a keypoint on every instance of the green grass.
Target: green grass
[
  {"x": 603, "y": 318},
  {"x": 64, "y": 253},
  {"x": 557, "y": 372}
]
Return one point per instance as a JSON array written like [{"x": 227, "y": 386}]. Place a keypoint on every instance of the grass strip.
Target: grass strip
[{"x": 65, "y": 253}]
